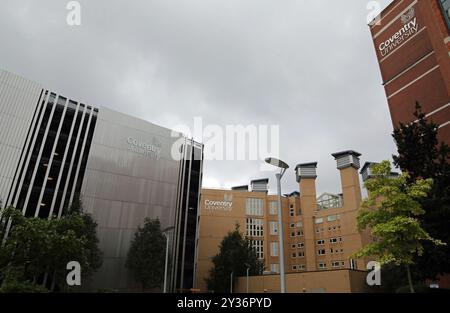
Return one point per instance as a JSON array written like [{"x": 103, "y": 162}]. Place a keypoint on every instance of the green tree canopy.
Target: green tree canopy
[
  {"x": 422, "y": 156},
  {"x": 36, "y": 251},
  {"x": 146, "y": 257},
  {"x": 235, "y": 256},
  {"x": 391, "y": 213}
]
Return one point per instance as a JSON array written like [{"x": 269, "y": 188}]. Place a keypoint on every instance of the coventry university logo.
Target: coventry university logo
[{"x": 408, "y": 16}]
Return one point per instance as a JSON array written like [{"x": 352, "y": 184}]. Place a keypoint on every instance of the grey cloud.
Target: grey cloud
[{"x": 306, "y": 65}]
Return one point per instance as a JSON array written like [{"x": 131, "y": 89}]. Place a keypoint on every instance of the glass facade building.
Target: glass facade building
[{"x": 125, "y": 169}]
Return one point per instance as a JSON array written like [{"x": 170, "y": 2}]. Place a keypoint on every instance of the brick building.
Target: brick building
[{"x": 412, "y": 43}]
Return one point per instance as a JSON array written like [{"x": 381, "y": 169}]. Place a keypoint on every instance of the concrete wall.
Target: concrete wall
[{"x": 336, "y": 281}]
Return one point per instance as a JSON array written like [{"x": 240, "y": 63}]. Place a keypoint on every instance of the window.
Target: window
[
  {"x": 293, "y": 255},
  {"x": 259, "y": 248},
  {"x": 292, "y": 225},
  {"x": 300, "y": 233},
  {"x": 333, "y": 240},
  {"x": 322, "y": 265},
  {"x": 274, "y": 249},
  {"x": 445, "y": 7},
  {"x": 293, "y": 246},
  {"x": 293, "y": 234},
  {"x": 291, "y": 212},
  {"x": 254, "y": 207},
  {"x": 335, "y": 264},
  {"x": 353, "y": 264},
  {"x": 291, "y": 206},
  {"x": 301, "y": 245},
  {"x": 319, "y": 220},
  {"x": 321, "y": 252},
  {"x": 321, "y": 242},
  {"x": 340, "y": 239},
  {"x": 301, "y": 254},
  {"x": 299, "y": 224},
  {"x": 254, "y": 227},
  {"x": 294, "y": 267},
  {"x": 319, "y": 230},
  {"x": 301, "y": 267},
  {"x": 331, "y": 250},
  {"x": 331, "y": 218},
  {"x": 273, "y": 207},
  {"x": 273, "y": 228},
  {"x": 275, "y": 268}
]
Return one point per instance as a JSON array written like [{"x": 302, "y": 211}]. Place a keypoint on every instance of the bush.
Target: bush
[{"x": 22, "y": 287}]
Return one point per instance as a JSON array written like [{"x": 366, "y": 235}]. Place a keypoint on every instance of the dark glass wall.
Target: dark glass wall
[{"x": 53, "y": 155}]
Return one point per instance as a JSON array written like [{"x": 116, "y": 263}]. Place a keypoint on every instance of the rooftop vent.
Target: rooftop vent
[
  {"x": 366, "y": 171},
  {"x": 306, "y": 170},
  {"x": 240, "y": 188},
  {"x": 346, "y": 159},
  {"x": 260, "y": 185}
]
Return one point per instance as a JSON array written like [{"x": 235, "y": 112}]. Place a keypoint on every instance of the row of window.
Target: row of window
[
  {"x": 320, "y": 230},
  {"x": 274, "y": 249},
  {"x": 299, "y": 254},
  {"x": 334, "y": 264},
  {"x": 299, "y": 225},
  {"x": 298, "y": 245},
  {"x": 275, "y": 268},
  {"x": 254, "y": 227},
  {"x": 298, "y": 267},
  {"x": 336, "y": 250},
  {"x": 330, "y": 218},
  {"x": 273, "y": 228},
  {"x": 255, "y": 207},
  {"x": 258, "y": 245},
  {"x": 298, "y": 233},
  {"x": 321, "y": 242},
  {"x": 323, "y": 251}
]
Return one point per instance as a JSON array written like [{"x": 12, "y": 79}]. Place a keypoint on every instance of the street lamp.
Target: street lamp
[
  {"x": 283, "y": 167},
  {"x": 166, "y": 234},
  {"x": 248, "y": 272},
  {"x": 231, "y": 282}
]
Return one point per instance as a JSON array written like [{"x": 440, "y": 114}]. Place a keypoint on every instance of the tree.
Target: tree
[
  {"x": 36, "y": 251},
  {"x": 390, "y": 212},
  {"x": 146, "y": 256},
  {"x": 88, "y": 229},
  {"x": 235, "y": 256},
  {"x": 422, "y": 156}
]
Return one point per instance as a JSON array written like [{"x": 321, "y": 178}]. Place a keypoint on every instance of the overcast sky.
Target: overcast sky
[{"x": 308, "y": 66}]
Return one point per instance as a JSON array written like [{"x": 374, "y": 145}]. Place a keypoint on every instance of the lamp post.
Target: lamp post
[
  {"x": 166, "y": 234},
  {"x": 248, "y": 272},
  {"x": 231, "y": 283},
  {"x": 283, "y": 167}
]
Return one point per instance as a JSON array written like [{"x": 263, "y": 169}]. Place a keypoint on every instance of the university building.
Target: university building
[
  {"x": 412, "y": 43},
  {"x": 53, "y": 148},
  {"x": 320, "y": 232}
]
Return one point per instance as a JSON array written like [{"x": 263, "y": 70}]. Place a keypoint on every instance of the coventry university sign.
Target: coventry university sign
[{"x": 149, "y": 150}]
